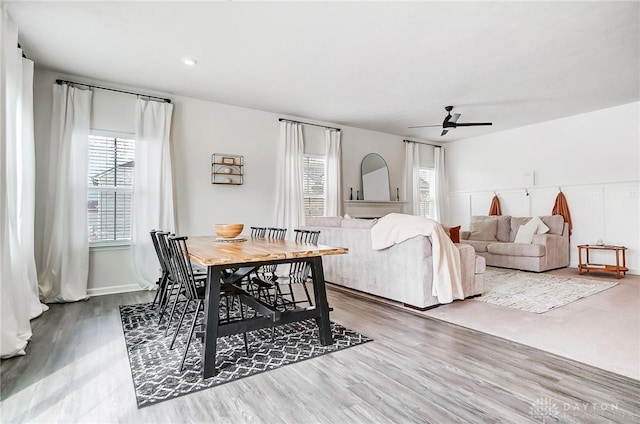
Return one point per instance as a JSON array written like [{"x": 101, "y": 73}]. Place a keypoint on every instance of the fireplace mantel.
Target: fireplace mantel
[{"x": 372, "y": 208}]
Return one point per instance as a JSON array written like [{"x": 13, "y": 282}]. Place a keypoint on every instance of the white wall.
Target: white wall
[
  {"x": 593, "y": 157},
  {"x": 201, "y": 128}
]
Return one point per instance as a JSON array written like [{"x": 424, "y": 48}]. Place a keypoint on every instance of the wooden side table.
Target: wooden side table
[{"x": 619, "y": 267}]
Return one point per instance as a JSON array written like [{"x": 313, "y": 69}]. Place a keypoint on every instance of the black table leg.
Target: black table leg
[
  {"x": 212, "y": 304},
  {"x": 320, "y": 295}
]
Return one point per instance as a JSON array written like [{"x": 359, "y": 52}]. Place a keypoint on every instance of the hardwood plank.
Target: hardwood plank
[{"x": 417, "y": 369}]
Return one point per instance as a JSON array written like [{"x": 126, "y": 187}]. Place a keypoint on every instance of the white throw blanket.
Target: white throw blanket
[{"x": 396, "y": 228}]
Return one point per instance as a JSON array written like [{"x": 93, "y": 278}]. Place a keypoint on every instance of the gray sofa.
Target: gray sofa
[
  {"x": 402, "y": 273},
  {"x": 493, "y": 238}
]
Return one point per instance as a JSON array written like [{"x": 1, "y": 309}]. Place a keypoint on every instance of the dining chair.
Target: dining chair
[
  {"x": 275, "y": 233},
  {"x": 263, "y": 284},
  {"x": 299, "y": 273},
  {"x": 258, "y": 232},
  {"x": 174, "y": 293},
  {"x": 164, "y": 274},
  {"x": 196, "y": 294},
  {"x": 169, "y": 290}
]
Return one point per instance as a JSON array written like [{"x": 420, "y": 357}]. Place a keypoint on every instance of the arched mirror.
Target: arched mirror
[{"x": 375, "y": 178}]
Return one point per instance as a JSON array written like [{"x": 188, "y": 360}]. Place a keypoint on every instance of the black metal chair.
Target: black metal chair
[
  {"x": 168, "y": 289},
  {"x": 195, "y": 293},
  {"x": 275, "y": 233},
  {"x": 299, "y": 273},
  {"x": 258, "y": 232},
  {"x": 263, "y": 284},
  {"x": 173, "y": 293},
  {"x": 164, "y": 273}
]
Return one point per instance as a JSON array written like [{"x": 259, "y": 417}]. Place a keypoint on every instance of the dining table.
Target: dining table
[{"x": 243, "y": 255}]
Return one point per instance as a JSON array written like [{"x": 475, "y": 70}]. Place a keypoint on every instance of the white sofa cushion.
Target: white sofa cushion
[
  {"x": 478, "y": 245},
  {"x": 517, "y": 249},
  {"x": 363, "y": 224},
  {"x": 324, "y": 221},
  {"x": 503, "y": 225},
  {"x": 484, "y": 229},
  {"x": 555, "y": 224}
]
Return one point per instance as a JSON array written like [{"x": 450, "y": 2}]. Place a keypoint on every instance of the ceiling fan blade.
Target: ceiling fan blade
[
  {"x": 444, "y": 132},
  {"x": 473, "y": 124},
  {"x": 426, "y": 126},
  {"x": 454, "y": 118}
]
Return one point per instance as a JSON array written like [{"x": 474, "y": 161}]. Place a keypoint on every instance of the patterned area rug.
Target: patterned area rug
[
  {"x": 536, "y": 292},
  {"x": 155, "y": 368}
]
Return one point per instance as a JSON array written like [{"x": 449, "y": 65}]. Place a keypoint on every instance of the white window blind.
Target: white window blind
[
  {"x": 314, "y": 186},
  {"x": 110, "y": 187},
  {"x": 427, "y": 192}
]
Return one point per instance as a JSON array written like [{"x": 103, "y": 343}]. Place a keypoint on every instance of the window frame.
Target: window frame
[
  {"x": 324, "y": 184},
  {"x": 432, "y": 192},
  {"x": 110, "y": 244}
]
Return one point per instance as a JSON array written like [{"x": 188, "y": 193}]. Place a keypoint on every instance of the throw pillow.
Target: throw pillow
[
  {"x": 484, "y": 230},
  {"x": 516, "y": 222},
  {"x": 542, "y": 228},
  {"x": 453, "y": 233},
  {"x": 525, "y": 234}
]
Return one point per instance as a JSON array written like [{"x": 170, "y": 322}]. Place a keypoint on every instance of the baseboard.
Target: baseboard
[
  {"x": 421, "y": 309},
  {"x": 126, "y": 288},
  {"x": 378, "y": 299}
]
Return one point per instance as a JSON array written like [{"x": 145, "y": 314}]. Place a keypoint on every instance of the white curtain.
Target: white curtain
[
  {"x": 441, "y": 207},
  {"x": 18, "y": 279},
  {"x": 412, "y": 177},
  {"x": 289, "y": 190},
  {"x": 63, "y": 269},
  {"x": 333, "y": 173},
  {"x": 153, "y": 206}
]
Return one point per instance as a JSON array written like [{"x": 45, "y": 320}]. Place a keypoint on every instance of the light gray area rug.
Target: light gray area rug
[{"x": 536, "y": 292}]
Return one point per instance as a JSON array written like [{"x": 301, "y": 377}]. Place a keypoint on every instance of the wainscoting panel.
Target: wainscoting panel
[
  {"x": 542, "y": 201},
  {"x": 607, "y": 211},
  {"x": 480, "y": 203},
  {"x": 622, "y": 220},
  {"x": 587, "y": 215},
  {"x": 460, "y": 207},
  {"x": 514, "y": 203}
]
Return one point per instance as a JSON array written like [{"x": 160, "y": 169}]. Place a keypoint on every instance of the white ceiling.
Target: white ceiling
[{"x": 382, "y": 66}]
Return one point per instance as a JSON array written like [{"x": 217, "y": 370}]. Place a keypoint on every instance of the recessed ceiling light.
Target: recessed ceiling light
[{"x": 189, "y": 61}]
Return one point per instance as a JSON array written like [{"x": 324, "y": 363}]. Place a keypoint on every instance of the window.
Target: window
[
  {"x": 313, "y": 185},
  {"x": 427, "y": 192},
  {"x": 110, "y": 189}
]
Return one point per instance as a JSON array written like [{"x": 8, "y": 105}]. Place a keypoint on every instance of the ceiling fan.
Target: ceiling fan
[{"x": 451, "y": 121}]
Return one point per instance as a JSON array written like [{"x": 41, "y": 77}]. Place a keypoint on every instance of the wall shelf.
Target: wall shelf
[{"x": 227, "y": 169}]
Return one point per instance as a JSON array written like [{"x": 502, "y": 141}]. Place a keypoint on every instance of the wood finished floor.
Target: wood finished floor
[{"x": 418, "y": 369}]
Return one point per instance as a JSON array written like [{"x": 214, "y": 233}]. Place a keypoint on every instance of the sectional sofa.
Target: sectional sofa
[
  {"x": 403, "y": 272},
  {"x": 493, "y": 238}
]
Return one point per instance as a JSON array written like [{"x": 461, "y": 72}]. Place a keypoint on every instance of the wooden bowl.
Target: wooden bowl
[{"x": 228, "y": 230}]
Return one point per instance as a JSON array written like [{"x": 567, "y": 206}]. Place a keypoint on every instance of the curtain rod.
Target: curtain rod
[
  {"x": 307, "y": 123},
  {"x": 24, "y": 56},
  {"x": 420, "y": 142},
  {"x": 59, "y": 81}
]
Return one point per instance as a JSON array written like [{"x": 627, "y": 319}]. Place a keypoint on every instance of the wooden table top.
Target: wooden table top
[{"x": 206, "y": 251}]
